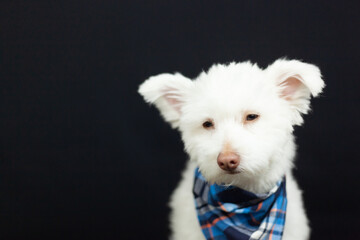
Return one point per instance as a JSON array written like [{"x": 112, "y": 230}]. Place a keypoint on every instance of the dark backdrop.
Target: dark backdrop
[{"x": 83, "y": 157}]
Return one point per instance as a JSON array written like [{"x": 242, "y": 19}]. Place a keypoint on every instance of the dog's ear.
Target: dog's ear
[
  {"x": 168, "y": 93},
  {"x": 296, "y": 82}
]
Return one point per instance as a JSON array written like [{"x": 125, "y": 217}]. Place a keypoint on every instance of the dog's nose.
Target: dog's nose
[{"x": 228, "y": 161}]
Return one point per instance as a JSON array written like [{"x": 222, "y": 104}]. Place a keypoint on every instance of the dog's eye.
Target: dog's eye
[
  {"x": 251, "y": 117},
  {"x": 208, "y": 124}
]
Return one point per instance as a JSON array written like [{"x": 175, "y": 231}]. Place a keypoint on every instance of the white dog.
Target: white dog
[{"x": 236, "y": 121}]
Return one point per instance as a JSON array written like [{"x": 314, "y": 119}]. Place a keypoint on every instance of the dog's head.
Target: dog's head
[{"x": 237, "y": 120}]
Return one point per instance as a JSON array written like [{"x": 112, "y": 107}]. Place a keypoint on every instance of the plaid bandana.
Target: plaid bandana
[{"x": 227, "y": 212}]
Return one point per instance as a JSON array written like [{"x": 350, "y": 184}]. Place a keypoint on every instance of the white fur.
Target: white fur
[{"x": 225, "y": 94}]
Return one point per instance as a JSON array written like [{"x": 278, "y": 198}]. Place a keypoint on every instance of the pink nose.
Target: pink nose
[{"x": 228, "y": 161}]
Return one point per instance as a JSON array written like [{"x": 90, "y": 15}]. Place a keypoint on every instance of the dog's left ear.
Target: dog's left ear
[
  {"x": 297, "y": 82},
  {"x": 168, "y": 93}
]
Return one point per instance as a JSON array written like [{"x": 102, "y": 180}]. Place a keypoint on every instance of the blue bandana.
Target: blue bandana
[{"x": 229, "y": 213}]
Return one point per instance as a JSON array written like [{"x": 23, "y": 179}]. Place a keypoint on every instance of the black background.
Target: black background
[{"x": 83, "y": 157}]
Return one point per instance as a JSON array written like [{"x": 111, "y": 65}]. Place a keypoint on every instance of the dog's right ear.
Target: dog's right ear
[
  {"x": 297, "y": 82},
  {"x": 168, "y": 93}
]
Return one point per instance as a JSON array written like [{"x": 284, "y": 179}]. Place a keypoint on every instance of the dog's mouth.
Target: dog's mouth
[{"x": 233, "y": 172}]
